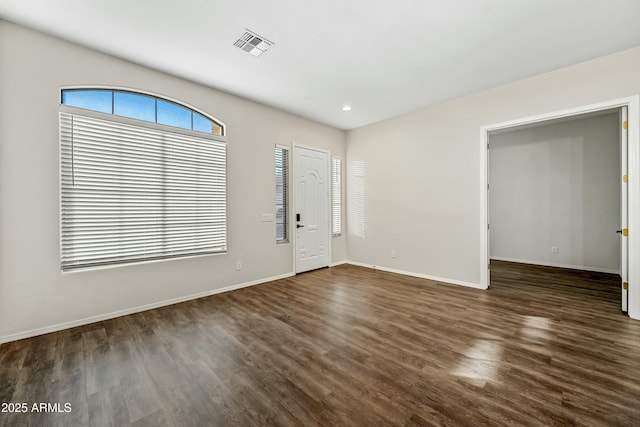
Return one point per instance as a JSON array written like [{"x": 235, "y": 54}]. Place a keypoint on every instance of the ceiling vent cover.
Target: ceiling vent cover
[{"x": 254, "y": 44}]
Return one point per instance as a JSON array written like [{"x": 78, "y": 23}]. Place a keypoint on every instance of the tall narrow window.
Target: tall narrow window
[
  {"x": 133, "y": 190},
  {"x": 282, "y": 194},
  {"x": 356, "y": 206},
  {"x": 336, "y": 196}
]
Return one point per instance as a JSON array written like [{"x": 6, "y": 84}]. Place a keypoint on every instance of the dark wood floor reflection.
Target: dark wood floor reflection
[{"x": 347, "y": 346}]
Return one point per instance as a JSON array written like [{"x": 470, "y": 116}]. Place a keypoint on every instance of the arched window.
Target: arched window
[
  {"x": 141, "y": 107},
  {"x": 142, "y": 178}
]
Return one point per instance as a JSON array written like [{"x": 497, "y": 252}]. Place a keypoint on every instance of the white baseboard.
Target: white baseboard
[
  {"x": 112, "y": 315},
  {"x": 553, "y": 264},
  {"x": 93, "y": 319},
  {"x": 420, "y": 275}
]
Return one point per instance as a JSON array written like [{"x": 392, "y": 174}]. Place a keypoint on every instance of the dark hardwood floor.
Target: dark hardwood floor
[{"x": 347, "y": 346}]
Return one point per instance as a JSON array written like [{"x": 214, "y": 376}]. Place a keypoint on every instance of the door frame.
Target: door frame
[
  {"x": 633, "y": 159},
  {"x": 624, "y": 204},
  {"x": 292, "y": 221}
]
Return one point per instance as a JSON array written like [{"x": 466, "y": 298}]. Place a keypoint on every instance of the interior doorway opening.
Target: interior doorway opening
[
  {"x": 555, "y": 195},
  {"x": 627, "y": 110}
]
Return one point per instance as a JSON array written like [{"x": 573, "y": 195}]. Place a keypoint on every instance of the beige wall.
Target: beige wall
[
  {"x": 422, "y": 184},
  {"x": 422, "y": 195},
  {"x": 557, "y": 185},
  {"x": 34, "y": 294}
]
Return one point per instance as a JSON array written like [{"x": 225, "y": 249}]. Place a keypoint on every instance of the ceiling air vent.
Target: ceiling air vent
[{"x": 254, "y": 44}]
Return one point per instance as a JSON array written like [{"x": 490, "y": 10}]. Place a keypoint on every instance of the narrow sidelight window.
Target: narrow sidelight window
[
  {"x": 282, "y": 194},
  {"x": 336, "y": 196}
]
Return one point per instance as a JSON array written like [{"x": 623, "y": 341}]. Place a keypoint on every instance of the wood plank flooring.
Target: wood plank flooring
[{"x": 347, "y": 346}]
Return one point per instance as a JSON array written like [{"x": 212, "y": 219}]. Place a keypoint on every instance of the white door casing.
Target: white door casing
[
  {"x": 488, "y": 246},
  {"x": 624, "y": 220},
  {"x": 312, "y": 202}
]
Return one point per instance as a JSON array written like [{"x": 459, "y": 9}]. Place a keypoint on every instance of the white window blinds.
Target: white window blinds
[
  {"x": 282, "y": 194},
  {"x": 356, "y": 206},
  {"x": 132, "y": 193},
  {"x": 336, "y": 196}
]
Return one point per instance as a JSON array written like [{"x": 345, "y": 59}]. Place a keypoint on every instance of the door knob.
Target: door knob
[{"x": 299, "y": 226}]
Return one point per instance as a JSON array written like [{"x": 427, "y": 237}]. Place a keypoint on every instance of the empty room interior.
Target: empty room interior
[
  {"x": 556, "y": 186},
  {"x": 329, "y": 213}
]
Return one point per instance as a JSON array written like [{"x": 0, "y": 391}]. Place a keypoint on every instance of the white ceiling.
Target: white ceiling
[{"x": 382, "y": 57}]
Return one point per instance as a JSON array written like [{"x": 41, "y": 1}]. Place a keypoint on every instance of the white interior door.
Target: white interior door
[
  {"x": 311, "y": 208},
  {"x": 624, "y": 220}
]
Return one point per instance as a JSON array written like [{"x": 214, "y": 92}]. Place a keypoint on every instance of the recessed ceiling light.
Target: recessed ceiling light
[{"x": 346, "y": 108}]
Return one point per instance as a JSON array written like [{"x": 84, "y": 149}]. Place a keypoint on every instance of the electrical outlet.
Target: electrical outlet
[
  {"x": 554, "y": 249},
  {"x": 394, "y": 254},
  {"x": 238, "y": 265}
]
